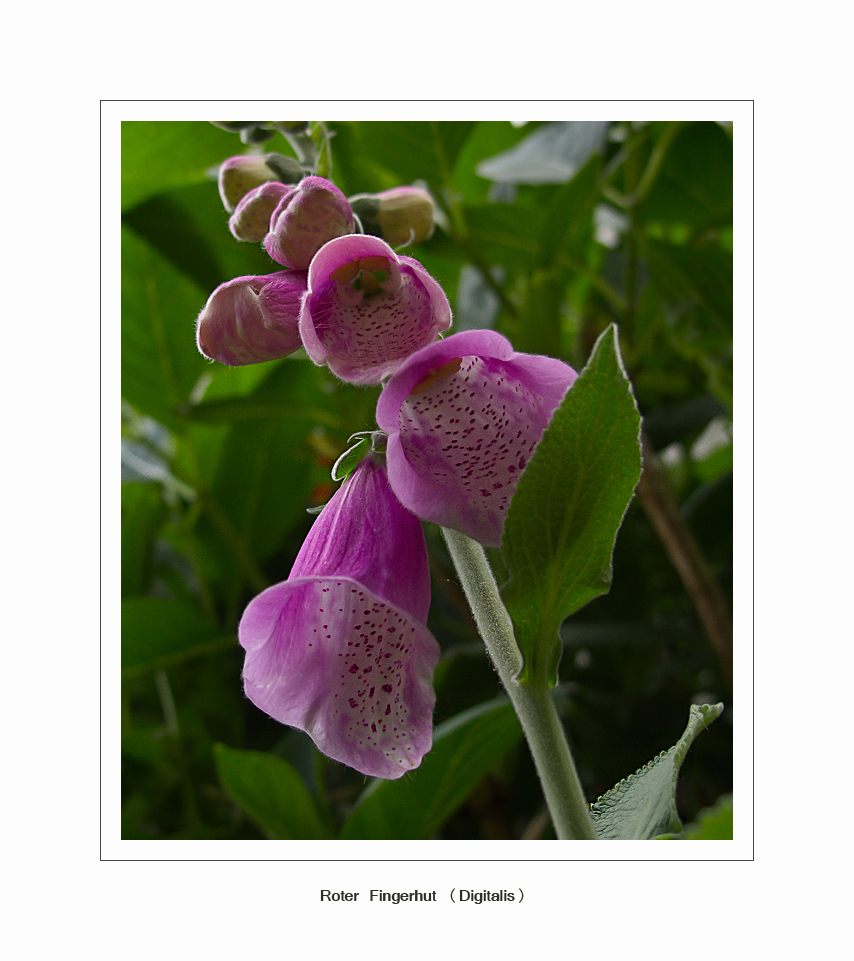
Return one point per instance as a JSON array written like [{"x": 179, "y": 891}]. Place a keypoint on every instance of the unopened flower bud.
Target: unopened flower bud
[
  {"x": 251, "y": 218},
  {"x": 249, "y": 320},
  {"x": 401, "y": 216},
  {"x": 304, "y": 220},
  {"x": 239, "y": 175}
]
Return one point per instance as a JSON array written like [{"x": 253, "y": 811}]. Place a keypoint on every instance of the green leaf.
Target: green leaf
[
  {"x": 415, "y": 150},
  {"x": 550, "y": 155},
  {"x": 271, "y": 792},
  {"x": 350, "y": 459},
  {"x": 465, "y": 749},
  {"x": 159, "y": 155},
  {"x": 643, "y": 806},
  {"x": 564, "y": 517},
  {"x": 568, "y": 222},
  {"x": 189, "y": 227},
  {"x": 502, "y": 234},
  {"x": 143, "y": 512},
  {"x": 160, "y": 361},
  {"x": 157, "y": 633},
  {"x": 695, "y": 182},
  {"x": 712, "y": 824},
  {"x": 691, "y": 276},
  {"x": 268, "y": 468}
]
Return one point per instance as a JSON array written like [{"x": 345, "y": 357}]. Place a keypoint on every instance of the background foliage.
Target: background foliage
[{"x": 549, "y": 232}]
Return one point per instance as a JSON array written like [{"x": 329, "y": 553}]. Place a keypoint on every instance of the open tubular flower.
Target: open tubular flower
[
  {"x": 340, "y": 649},
  {"x": 368, "y": 309},
  {"x": 252, "y": 319},
  {"x": 305, "y": 219},
  {"x": 463, "y": 417}
]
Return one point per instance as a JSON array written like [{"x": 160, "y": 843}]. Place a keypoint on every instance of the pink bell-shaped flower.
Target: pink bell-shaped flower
[
  {"x": 340, "y": 649},
  {"x": 367, "y": 309},
  {"x": 305, "y": 219},
  {"x": 463, "y": 417},
  {"x": 252, "y": 319}
]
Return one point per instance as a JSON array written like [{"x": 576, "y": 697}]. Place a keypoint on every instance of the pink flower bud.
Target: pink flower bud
[
  {"x": 251, "y": 218},
  {"x": 305, "y": 220},
  {"x": 367, "y": 309},
  {"x": 340, "y": 649},
  {"x": 252, "y": 319}
]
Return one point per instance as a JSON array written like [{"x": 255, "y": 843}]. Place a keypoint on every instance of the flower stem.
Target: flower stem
[{"x": 533, "y": 701}]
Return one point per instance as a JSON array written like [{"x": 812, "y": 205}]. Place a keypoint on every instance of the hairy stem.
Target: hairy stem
[{"x": 532, "y": 701}]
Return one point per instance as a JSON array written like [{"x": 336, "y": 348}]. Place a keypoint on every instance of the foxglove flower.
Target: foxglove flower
[
  {"x": 252, "y": 319},
  {"x": 305, "y": 219},
  {"x": 463, "y": 417},
  {"x": 340, "y": 649},
  {"x": 367, "y": 309}
]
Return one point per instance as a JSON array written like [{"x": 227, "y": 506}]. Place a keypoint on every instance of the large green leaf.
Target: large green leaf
[
  {"x": 157, "y": 633},
  {"x": 694, "y": 276},
  {"x": 712, "y": 824},
  {"x": 271, "y": 792},
  {"x": 465, "y": 749},
  {"x": 568, "y": 223},
  {"x": 504, "y": 235},
  {"x": 564, "y": 517},
  {"x": 143, "y": 511},
  {"x": 267, "y": 468},
  {"x": 189, "y": 227},
  {"x": 159, "y": 155},
  {"x": 416, "y": 149},
  {"x": 643, "y": 806},
  {"x": 550, "y": 155},
  {"x": 160, "y": 361},
  {"x": 694, "y": 185}
]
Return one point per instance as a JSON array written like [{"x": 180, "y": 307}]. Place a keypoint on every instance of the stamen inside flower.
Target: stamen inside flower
[
  {"x": 364, "y": 277},
  {"x": 437, "y": 373}
]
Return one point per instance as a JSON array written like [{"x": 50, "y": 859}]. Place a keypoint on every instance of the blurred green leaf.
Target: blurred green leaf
[
  {"x": 465, "y": 749},
  {"x": 552, "y": 154},
  {"x": 271, "y": 792},
  {"x": 416, "y": 150},
  {"x": 563, "y": 520},
  {"x": 267, "y": 467},
  {"x": 568, "y": 223},
  {"x": 694, "y": 184},
  {"x": 160, "y": 361},
  {"x": 189, "y": 226},
  {"x": 160, "y": 155},
  {"x": 712, "y": 824},
  {"x": 643, "y": 806},
  {"x": 143, "y": 511},
  {"x": 694, "y": 276},
  {"x": 486, "y": 140},
  {"x": 157, "y": 633},
  {"x": 502, "y": 235}
]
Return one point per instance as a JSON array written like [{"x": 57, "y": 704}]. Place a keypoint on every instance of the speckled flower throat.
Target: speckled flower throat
[{"x": 467, "y": 424}]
